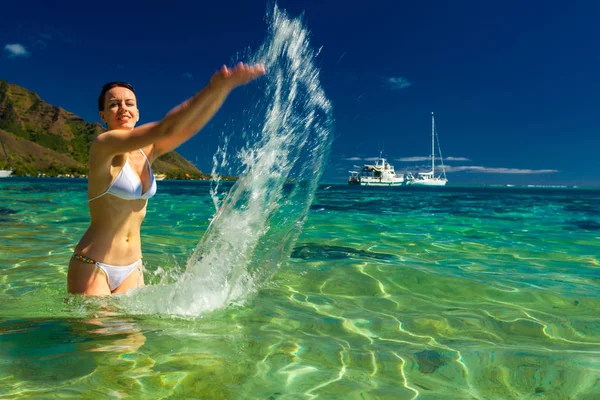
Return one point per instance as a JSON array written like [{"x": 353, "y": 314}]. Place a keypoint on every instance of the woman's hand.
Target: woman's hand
[{"x": 239, "y": 75}]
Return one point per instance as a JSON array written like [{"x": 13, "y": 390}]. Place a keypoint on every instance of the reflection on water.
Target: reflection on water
[
  {"x": 44, "y": 350},
  {"x": 41, "y": 355}
]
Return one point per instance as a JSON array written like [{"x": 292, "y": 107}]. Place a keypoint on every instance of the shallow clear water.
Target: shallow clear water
[{"x": 391, "y": 293}]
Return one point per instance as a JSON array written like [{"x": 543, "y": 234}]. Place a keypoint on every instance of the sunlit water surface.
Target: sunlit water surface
[{"x": 452, "y": 293}]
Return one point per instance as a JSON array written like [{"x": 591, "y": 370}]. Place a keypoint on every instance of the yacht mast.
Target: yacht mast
[{"x": 432, "y": 146}]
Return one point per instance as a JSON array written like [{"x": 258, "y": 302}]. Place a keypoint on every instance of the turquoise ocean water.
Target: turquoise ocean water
[{"x": 389, "y": 293}]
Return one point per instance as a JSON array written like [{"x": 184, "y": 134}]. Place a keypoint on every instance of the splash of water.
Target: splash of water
[{"x": 257, "y": 223}]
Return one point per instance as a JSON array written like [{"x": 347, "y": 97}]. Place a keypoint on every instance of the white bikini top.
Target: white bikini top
[{"x": 128, "y": 185}]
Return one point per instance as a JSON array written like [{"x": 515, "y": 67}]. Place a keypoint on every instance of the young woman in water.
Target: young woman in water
[{"x": 108, "y": 258}]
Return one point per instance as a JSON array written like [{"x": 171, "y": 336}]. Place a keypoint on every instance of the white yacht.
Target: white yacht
[
  {"x": 381, "y": 173},
  {"x": 429, "y": 178}
]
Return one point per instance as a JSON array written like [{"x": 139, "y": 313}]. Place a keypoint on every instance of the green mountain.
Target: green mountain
[{"x": 44, "y": 139}]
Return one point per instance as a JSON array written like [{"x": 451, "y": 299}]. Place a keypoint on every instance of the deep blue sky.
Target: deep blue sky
[{"x": 514, "y": 84}]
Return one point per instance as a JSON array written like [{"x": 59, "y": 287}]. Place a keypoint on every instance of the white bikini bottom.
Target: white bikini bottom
[{"x": 117, "y": 274}]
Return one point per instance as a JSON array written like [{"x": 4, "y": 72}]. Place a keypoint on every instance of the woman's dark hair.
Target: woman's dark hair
[{"x": 109, "y": 86}]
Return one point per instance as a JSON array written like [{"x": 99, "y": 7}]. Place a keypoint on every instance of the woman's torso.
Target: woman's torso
[{"x": 113, "y": 236}]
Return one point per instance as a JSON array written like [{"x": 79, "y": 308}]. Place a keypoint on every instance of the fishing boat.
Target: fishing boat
[
  {"x": 381, "y": 173},
  {"x": 429, "y": 178},
  {"x": 5, "y": 173}
]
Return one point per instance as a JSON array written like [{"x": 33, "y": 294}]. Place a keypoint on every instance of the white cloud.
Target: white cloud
[
  {"x": 412, "y": 159},
  {"x": 419, "y": 158},
  {"x": 16, "y": 50},
  {"x": 55, "y": 33},
  {"x": 39, "y": 43},
  {"x": 396, "y": 83},
  {"x": 41, "y": 40},
  {"x": 450, "y": 168},
  {"x": 186, "y": 75},
  {"x": 488, "y": 170}
]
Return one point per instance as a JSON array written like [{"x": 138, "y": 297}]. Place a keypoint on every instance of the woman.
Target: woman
[{"x": 107, "y": 259}]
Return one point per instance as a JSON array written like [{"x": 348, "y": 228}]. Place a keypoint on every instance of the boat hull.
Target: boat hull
[
  {"x": 381, "y": 183},
  {"x": 429, "y": 183},
  {"x": 4, "y": 173}
]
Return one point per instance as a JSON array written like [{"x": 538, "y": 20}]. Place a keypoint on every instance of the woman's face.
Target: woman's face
[{"x": 120, "y": 109}]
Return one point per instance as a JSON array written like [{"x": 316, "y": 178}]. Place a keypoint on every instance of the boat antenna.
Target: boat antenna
[{"x": 432, "y": 146}]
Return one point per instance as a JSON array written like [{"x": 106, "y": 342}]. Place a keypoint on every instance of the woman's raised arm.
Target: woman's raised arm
[{"x": 182, "y": 122}]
